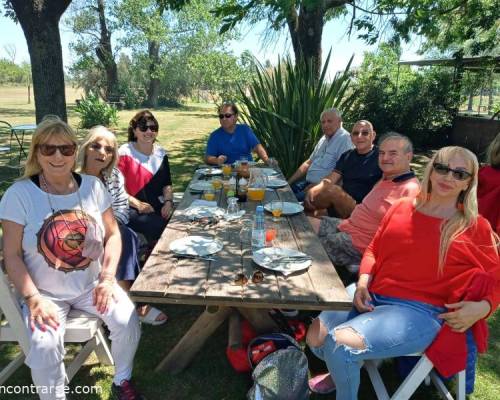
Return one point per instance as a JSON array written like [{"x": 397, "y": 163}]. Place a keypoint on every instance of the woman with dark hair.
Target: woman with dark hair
[
  {"x": 144, "y": 165},
  {"x": 232, "y": 141},
  {"x": 431, "y": 272}
]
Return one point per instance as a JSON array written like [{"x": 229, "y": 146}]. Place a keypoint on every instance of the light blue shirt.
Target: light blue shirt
[{"x": 326, "y": 154}]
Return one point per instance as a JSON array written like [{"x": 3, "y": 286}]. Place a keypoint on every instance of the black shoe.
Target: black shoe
[{"x": 126, "y": 391}]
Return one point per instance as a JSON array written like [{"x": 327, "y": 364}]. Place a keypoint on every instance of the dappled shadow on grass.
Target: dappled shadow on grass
[
  {"x": 184, "y": 157},
  {"x": 18, "y": 112},
  {"x": 196, "y": 115}
]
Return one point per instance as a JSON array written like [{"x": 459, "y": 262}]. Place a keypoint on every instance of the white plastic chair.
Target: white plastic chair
[
  {"x": 80, "y": 328},
  {"x": 423, "y": 370}
]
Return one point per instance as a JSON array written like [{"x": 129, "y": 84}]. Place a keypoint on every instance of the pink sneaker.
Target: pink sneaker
[{"x": 322, "y": 384}]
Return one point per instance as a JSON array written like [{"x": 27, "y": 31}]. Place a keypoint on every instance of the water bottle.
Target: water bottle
[{"x": 258, "y": 230}]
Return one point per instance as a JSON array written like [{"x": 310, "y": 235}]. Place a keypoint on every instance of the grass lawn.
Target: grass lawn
[{"x": 183, "y": 132}]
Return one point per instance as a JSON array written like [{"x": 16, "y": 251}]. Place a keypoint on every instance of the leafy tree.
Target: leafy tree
[
  {"x": 39, "y": 20},
  {"x": 90, "y": 21}
]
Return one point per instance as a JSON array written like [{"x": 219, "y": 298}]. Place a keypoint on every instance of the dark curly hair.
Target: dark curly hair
[{"x": 142, "y": 117}]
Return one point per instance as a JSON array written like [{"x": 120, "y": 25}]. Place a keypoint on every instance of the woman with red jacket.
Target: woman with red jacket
[
  {"x": 488, "y": 189},
  {"x": 414, "y": 277}
]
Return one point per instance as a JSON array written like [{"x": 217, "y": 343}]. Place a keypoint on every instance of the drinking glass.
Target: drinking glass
[
  {"x": 209, "y": 194},
  {"x": 232, "y": 207},
  {"x": 276, "y": 207},
  {"x": 226, "y": 170},
  {"x": 246, "y": 231}
]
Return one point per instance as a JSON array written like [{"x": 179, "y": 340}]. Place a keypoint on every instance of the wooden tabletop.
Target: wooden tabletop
[{"x": 167, "y": 279}]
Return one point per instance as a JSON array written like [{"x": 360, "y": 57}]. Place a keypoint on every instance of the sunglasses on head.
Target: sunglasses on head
[
  {"x": 458, "y": 174},
  {"x": 227, "y": 115},
  {"x": 66, "y": 150},
  {"x": 144, "y": 128},
  {"x": 97, "y": 147},
  {"x": 363, "y": 133}
]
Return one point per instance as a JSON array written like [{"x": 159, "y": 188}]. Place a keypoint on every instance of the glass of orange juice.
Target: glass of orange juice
[
  {"x": 216, "y": 183},
  {"x": 226, "y": 170},
  {"x": 209, "y": 194},
  {"x": 256, "y": 193},
  {"x": 276, "y": 207}
]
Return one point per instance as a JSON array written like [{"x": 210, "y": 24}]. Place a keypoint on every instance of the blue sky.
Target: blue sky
[{"x": 333, "y": 37}]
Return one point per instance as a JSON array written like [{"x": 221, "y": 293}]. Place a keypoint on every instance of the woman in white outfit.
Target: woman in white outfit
[{"x": 61, "y": 250}]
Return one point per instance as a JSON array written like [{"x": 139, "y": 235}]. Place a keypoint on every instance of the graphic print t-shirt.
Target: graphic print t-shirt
[
  {"x": 52, "y": 241},
  {"x": 145, "y": 176}
]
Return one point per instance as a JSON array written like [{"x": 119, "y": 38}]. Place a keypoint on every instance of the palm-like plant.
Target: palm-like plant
[{"x": 283, "y": 107}]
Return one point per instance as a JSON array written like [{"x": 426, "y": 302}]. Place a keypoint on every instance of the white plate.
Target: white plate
[
  {"x": 196, "y": 212},
  {"x": 196, "y": 246},
  {"x": 268, "y": 171},
  {"x": 269, "y": 258},
  {"x": 289, "y": 208},
  {"x": 276, "y": 182},
  {"x": 209, "y": 171},
  {"x": 200, "y": 186}
]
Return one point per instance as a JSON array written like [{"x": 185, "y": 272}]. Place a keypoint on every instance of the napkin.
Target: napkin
[{"x": 205, "y": 203}]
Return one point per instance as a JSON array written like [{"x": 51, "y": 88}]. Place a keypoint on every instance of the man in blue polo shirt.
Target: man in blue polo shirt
[
  {"x": 355, "y": 174},
  {"x": 334, "y": 142},
  {"x": 232, "y": 141}
]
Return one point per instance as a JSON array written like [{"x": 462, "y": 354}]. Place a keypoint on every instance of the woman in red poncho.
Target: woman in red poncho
[{"x": 432, "y": 268}]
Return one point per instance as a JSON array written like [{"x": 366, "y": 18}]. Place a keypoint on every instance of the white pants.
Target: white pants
[{"x": 47, "y": 351}]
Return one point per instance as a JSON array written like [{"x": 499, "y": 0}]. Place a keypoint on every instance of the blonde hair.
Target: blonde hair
[
  {"x": 465, "y": 216},
  {"x": 51, "y": 126},
  {"x": 96, "y": 133},
  {"x": 493, "y": 152}
]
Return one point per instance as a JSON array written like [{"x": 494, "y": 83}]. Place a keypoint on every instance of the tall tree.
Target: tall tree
[
  {"x": 39, "y": 20},
  {"x": 90, "y": 21}
]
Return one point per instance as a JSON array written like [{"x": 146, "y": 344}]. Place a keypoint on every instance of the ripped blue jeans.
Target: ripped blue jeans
[{"x": 394, "y": 328}]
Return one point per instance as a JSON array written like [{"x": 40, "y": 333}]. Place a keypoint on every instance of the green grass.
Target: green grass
[{"x": 183, "y": 132}]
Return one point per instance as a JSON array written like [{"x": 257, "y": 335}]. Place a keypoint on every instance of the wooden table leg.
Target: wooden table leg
[
  {"x": 259, "y": 319},
  {"x": 184, "y": 351}
]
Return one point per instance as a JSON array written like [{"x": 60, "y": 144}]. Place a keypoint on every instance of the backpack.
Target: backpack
[{"x": 280, "y": 368}]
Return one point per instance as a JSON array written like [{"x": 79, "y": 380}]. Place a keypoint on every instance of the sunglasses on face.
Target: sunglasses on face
[
  {"x": 227, "y": 115},
  {"x": 66, "y": 150},
  {"x": 144, "y": 128},
  {"x": 362, "y": 133},
  {"x": 458, "y": 174},
  {"x": 98, "y": 147}
]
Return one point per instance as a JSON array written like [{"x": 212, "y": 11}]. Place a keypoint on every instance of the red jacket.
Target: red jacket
[{"x": 488, "y": 196}]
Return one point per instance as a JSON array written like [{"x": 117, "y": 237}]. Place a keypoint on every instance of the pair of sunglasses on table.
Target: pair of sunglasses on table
[
  {"x": 458, "y": 174},
  {"x": 242, "y": 280}
]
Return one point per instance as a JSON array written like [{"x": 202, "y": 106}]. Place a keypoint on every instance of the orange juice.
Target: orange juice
[
  {"x": 256, "y": 194},
  {"x": 227, "y": 169},
  {"x": 216, "y": 184},
  {"x": 210, "y": 196},
  {"x": 277, "y": 212}
]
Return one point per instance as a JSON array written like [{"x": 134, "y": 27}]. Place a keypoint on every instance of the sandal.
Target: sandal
[
  {"x": 322, "y": 384},
  {"x": 151, "y": 315}
]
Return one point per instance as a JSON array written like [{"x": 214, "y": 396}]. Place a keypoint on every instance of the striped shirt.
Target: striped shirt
[{"x": 115, "y": 183}]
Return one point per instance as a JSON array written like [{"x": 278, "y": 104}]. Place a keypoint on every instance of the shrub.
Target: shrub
[
  {"x": 93, "y": 111},
  {"x": 283, "y": 107}
]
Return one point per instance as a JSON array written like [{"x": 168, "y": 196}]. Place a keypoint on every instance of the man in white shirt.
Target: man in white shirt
[{"x": 334, "y": 142}]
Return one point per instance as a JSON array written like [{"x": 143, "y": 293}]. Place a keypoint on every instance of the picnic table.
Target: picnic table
[
  {"x": 166, "y": 278},
  {"x": 21, "y": 130}
]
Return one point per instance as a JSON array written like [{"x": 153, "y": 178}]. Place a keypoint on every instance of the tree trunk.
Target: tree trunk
[
  {"x": 105, "y": 55},
  {"x": 471, "y": 100},
  {"x": 40, "y": 23},
  {"x": 154, "y": 81}
]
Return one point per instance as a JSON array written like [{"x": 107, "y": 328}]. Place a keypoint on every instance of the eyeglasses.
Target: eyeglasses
[
  {"x": 66, "y": 150},
  {"x": 227, "y": 115},
  {"x": 144, "y": 128},
  {"x": 97, "y": 147},
  {"x": 458, "y": 174},
  {"x": 363, "y": 133}
]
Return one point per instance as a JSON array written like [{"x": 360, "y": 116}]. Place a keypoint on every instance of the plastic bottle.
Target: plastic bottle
[
  {"x": 258, "y": 230},
  {"x": 242, "y": 190}
]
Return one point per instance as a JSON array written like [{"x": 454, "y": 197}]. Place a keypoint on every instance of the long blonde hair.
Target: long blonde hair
[
  {"x": 49, "y": 127},
  {"x": 96, "y": 133},
  {"x": 466, "y": 201}
]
